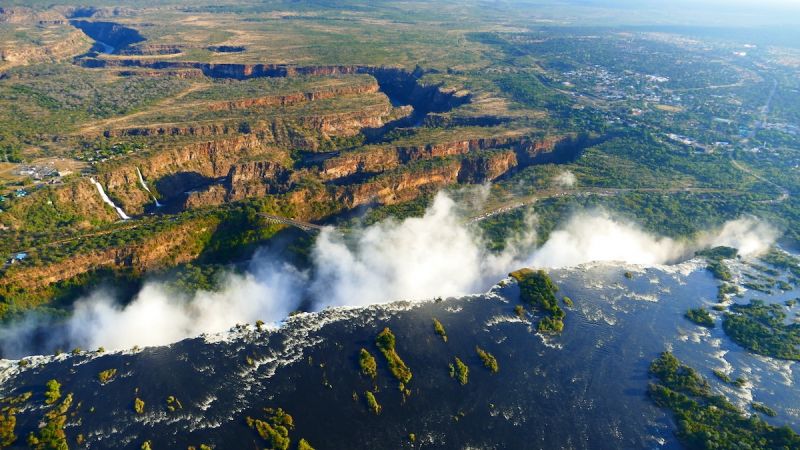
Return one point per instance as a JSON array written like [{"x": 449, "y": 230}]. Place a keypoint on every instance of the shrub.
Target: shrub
[
  {"x": 372, "y": 402},
  {"x": 701, "y": 317},
  {"x": 489, "y": 361},
  {"x": 369, "y": 366},
  {"x": 385, "y": 342},
  {"x": 459, "y": 371},
  {"x": 304, "y": 445},
  {"x": 439, "y": 329},
  {"x": 106, "y": 375},
  {"x": 53, "y": 392}
]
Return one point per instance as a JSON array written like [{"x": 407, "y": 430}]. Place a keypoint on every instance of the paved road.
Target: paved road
[{"x": 784, "y": 195}]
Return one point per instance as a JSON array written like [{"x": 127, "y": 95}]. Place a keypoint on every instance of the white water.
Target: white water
[
  {"x": 144, "y": 185},
  {"x": 108, "y": 201}
]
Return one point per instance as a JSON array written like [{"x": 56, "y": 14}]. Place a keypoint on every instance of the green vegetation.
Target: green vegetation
[
  {"x": 439, "y": 329},
  {"x": 372, "y": 402},
  {"x": 568, "y": 302},
  {"x": 763, "y": 409},
  {"x": 106, "y": 375},
  {"x": 53, "y": 392},
  {"x": 783, "y": 260},
  {"x": 706, "y": 420},
  {"x": 8, "y": 419},
  {"x": 700, "y": 316},
  {"x": 275, "y": 429},
  {"x": 138, "y": 406},
  {"x": 489, "y": 361},
  {"x": 519, "y": 310},
  {"x": 538, "y": 290},
  {"x": 51, "y": 435},
  {"x": 8, "y": 422},
  {"x": 386, "y": 344},
  {"x": 173, "y": 404},
  {"x": 304, "y": 445},
  {"x": 724, "y": 290},
  {"x": 720, "y": 270},
  {"x": 146, "y": 445},
  {"x": 366, "y": 361},
  {"x": 459, "y": 371},
  {"x": 715, "y": 265},
  {"x": 723, "y": 376},
  {"x": 761, "y": 328}
]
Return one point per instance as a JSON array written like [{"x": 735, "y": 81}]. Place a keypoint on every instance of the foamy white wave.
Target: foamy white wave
[
  {"x": 779, "y": 366},
  {"x": 499, "y": 319},
  {"x": 695, "y": 335},
  {"x": 598, "y": 316},
  {"x": 643, "y": 297}
]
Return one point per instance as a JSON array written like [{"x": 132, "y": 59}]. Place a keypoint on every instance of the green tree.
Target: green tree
[{"x": 369, "y": 366}]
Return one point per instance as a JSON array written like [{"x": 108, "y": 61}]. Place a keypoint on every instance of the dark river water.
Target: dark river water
[{"x": 585, "y": 389}]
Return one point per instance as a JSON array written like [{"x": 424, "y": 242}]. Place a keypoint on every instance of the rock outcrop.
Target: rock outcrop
[
  {"x": 295, "y": 98},
  {"x": 14, "y": 54},
  {"x": 177, "y": 170},
  {"x": 178, "y": 244}
]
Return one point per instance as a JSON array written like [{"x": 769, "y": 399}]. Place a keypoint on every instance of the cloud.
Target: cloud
[
  {"x": 751, "y": 236},
  {"x": 418, "y": 258},
  {"x": 158, "y": 314},
  {"x": 565, "y": 179},
  {"x": 596, "y": 236},
  {"x": 437, "y": 254}
]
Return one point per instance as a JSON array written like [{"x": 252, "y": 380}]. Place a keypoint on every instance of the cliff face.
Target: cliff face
[
  {"x": 15, "y": 55},
  {"x": 379, "y": 159},
  {"x": 487, "y": 167},
  {"x": 152, "y": 50},
  {"x": 397, "y": 187},
  {"x": 111, "y": 33},
  {"x": 373, "y": 159},
  {"x": 191, "y": 167},
  {"x": 257, "y": 179},
  {"x": 333, "y": 124},
  {"x": 174, "y": 246},
  {"x": 295, "y": 98},
  {"x": 175, "y": 171},
  {"x": 390, "y": 173},
  {"x": 396, "y": 82}
]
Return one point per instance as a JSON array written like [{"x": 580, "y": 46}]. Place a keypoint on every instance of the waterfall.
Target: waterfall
[
  {"x": 108, "y": 201},
  {"x": 144, "y": 185}
]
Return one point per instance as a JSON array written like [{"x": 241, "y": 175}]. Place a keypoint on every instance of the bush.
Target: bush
[
  {"x": 106, "y": 375},
  {"x": 459, "y": 371},
  {"x": 439, "y": 329},
  {"x": 304, "y": 445},
  {"x": 372, "y": 402},
  {"x": 369, "y": 366},
  {"x": 538, "y": 290},
  {"x": 701, "y": 317},
  {"x": 386, "y": 342},
  {"x": 53, "y": 392},
  {"x": 706, "y": 420},
  {"x": 489, "y": 361}
]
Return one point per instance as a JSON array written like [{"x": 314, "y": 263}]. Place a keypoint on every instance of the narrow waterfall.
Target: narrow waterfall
[
  {"x": 108, "y": 201},
  {"x": 144, "y": 185}
]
